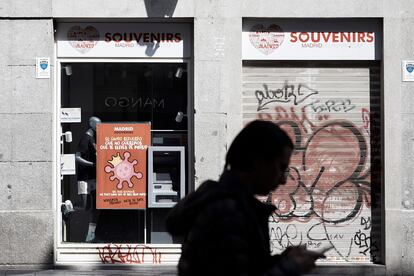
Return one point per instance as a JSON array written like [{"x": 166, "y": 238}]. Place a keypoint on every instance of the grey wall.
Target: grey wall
[
  {"x": 26, "y": 221},
  {"x": 26, "y": 216}
]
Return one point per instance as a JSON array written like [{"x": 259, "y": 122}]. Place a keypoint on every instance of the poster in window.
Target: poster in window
[{"x": 121, "y": 165}]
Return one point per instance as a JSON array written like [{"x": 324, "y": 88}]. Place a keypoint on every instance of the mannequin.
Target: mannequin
[{"x": 86, "y": 177}]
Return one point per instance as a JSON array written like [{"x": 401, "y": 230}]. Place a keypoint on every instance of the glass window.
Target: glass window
[{"x": 119, "y": 92}]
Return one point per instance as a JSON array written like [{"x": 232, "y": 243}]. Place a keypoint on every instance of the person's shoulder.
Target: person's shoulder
[
  {"x": 225, "y": 206},
  {"x": 217, "y": 198}
]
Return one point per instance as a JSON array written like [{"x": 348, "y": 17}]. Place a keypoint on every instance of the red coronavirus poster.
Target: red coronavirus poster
[{"x": 121, "y": 165}]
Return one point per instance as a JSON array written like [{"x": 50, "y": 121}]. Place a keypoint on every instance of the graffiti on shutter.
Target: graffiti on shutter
[{"x": 332, "y": 195}]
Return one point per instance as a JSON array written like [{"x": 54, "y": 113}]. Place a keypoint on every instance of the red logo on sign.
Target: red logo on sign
[
  {"x": 266, "y": 39},
  {"x": 81, "y": 39}
]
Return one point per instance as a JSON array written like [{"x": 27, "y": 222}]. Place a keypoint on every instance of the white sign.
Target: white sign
[
  {"x": 408, "y": 70},
  {"x": 158, "y": 40},
  {"x": 67, "y": 164},
  {"x": 70, "y": 115},
  {"x": 42, "y": 68},
  {"x": 311, "y": 39}
]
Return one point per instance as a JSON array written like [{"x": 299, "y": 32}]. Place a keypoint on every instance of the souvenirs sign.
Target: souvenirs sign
[
  {"x": 135, "y": 40},
  {"x": 311, "y": 39}
]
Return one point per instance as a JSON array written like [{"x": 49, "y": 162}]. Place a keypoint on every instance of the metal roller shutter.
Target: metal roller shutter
[{"x": 333, "y": 192}]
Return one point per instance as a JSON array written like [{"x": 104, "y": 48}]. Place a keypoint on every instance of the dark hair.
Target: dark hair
[{"x": 258, "y": 140}]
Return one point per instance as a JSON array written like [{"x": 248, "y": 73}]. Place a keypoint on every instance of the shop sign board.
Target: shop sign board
[
  {"x": 133, "y": 40},
  {"x": 311, "y": 39},
  {"x": 122, "y": 165},
  {"x": 408, "y": 70}
]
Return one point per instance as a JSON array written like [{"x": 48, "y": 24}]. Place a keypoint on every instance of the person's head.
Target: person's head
[
  {"x": 93, "y": 121},
  {"x": 261, "y": 151}
]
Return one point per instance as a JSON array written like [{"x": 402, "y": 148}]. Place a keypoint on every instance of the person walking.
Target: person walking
[{"x": 223, "y": 227}]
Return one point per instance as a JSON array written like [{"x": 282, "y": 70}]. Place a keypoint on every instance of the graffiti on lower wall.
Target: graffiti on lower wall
[
  {"x": 327, "y": 198},
  {"x": 128, "y": 254}
]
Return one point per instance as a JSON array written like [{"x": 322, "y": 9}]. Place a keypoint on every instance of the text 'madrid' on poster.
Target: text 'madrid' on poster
[{"x": 122, "y": 165}]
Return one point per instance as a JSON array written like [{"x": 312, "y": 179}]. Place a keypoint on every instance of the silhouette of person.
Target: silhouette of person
[{"x": 224, "y": 227}]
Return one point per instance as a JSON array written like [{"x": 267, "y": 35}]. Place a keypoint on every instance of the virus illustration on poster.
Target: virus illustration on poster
[{"x": 123, "y": 170}]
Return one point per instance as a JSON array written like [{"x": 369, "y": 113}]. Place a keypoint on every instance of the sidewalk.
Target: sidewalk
[
  {"x": 167, "y": 271},
  {"x": 328, "y": 270}
]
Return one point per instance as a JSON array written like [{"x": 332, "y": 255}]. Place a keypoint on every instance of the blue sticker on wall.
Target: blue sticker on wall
[
  {"x": 409, "y": 67},
  {"x": 44, "y": 64}
]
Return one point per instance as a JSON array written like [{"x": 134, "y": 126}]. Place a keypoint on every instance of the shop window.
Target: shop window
[{"x": 123, "y": 93}]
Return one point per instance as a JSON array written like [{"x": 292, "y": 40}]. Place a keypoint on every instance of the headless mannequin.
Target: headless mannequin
[
  {"x": 86, "y": 178},
  {"x": 86, "y": 163}
]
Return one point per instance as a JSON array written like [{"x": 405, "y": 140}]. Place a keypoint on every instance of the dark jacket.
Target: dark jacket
[
  {"x": 224, "y": 231},
  {"x": 87, "y": 150}
]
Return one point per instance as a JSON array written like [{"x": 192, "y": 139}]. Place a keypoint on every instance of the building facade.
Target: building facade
[{"x": 169, "y": 84}]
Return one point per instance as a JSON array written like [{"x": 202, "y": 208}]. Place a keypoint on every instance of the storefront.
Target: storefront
[
  {"x": 176, "y": 81},
  {"x": 125, "y": 117},
  {"x": 320, "y": 79}
]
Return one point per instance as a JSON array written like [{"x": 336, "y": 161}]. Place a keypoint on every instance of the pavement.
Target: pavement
[
  {"x": 86, "y": 272},
  {"x": 326, "y": 270}
]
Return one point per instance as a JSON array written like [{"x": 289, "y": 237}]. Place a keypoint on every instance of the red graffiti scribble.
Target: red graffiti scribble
[
  {"x": 329, "y": 174},
  {"x": 323, "y": 117},
  {"x": 128, "y": 254},
  {"x": 366, "y": 119},
  {"x": 282, "y": 114}
]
